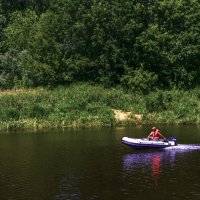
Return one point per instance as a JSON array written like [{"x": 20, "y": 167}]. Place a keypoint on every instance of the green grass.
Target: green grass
[{"x": 83, "y": 105}]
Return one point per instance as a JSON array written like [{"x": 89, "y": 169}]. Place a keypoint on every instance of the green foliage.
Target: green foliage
[
  {"x": 9, "y": 69},
  {"x": 83, "y": 105},
  {"x": 36, "y": 111},
  {"x": 20, "y": 30},
  {"x": 140, "y": 80},
  {"x": 10, "y": 6},
  {"x": 160, "y": 101},
  {"x": 9, "y": 114},
  {"x": 34, "y": 73},
  {"x": 154, "y": 103},
  {"x": 79, "y": 105},
  {"x": 2, "y": 24},
  {"x": 140, "y": 45}
]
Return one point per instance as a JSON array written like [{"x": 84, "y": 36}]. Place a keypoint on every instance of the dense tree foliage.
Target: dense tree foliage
[{"x": 140, "y": 45}]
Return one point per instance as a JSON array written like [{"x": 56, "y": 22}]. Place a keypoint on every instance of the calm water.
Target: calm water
[{"x": 93, "y": 164}]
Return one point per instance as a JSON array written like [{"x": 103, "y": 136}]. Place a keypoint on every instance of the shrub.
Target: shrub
[
  {"x": 140, "y": 80},
  {"x": 9, "y": 114},
  {"x": 154, "y": 103},
  {"x": 36, "y": 111}
]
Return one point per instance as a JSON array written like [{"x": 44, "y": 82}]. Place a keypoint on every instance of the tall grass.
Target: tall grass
[{"x": 84, "y": 105}]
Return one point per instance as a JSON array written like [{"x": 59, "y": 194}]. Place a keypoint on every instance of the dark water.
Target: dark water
[{"x": 93, "y": 164}]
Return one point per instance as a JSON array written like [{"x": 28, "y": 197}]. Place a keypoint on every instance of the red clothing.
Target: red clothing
[{"x": 155, "y": 134}]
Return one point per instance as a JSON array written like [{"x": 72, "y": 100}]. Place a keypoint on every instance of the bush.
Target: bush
[
  {"x": 36, "y": 111},
  {"x": 140, "y": 80},
  {"x": 73, "y": 107},
  {"x": 9, "y": 114},
  {"x": 155, "y": 102}
]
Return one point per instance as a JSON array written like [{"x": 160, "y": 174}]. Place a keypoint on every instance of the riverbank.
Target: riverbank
[{"x": 84, "y": 105}]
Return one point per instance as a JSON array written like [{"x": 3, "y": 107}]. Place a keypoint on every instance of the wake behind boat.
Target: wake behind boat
[{"x": 145, "y": 143}]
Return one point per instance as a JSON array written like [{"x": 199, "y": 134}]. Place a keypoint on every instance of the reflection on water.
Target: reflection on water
[
  {"x": 143, "y": 159},
  {"x": 93, "y": 164},
  {"x": 156, "y": 168},
  {"x": 154, "y": 161}
]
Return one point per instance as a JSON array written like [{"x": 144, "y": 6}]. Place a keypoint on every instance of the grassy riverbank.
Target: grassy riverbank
[{"x": 83, "y": 105}]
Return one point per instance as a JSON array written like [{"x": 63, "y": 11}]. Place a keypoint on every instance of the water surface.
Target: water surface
[{"x": 93, "y": 164}]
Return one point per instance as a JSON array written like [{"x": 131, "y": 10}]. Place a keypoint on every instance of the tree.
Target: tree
[
  {"x": 10, "y": 6},
  {"x": 126, "y": 42}
]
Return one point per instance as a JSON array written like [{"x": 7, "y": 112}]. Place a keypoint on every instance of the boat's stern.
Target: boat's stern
[{"x": 172, "y": 141}]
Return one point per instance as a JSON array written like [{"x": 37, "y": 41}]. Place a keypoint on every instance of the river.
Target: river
[{"x": 93, "y": 164}]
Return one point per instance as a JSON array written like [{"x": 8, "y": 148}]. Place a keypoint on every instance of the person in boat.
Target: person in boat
[{"x": 155, "y": 134}]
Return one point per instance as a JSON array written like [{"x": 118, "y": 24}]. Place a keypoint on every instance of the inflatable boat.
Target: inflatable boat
[{"x": 145, "y": 143}]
